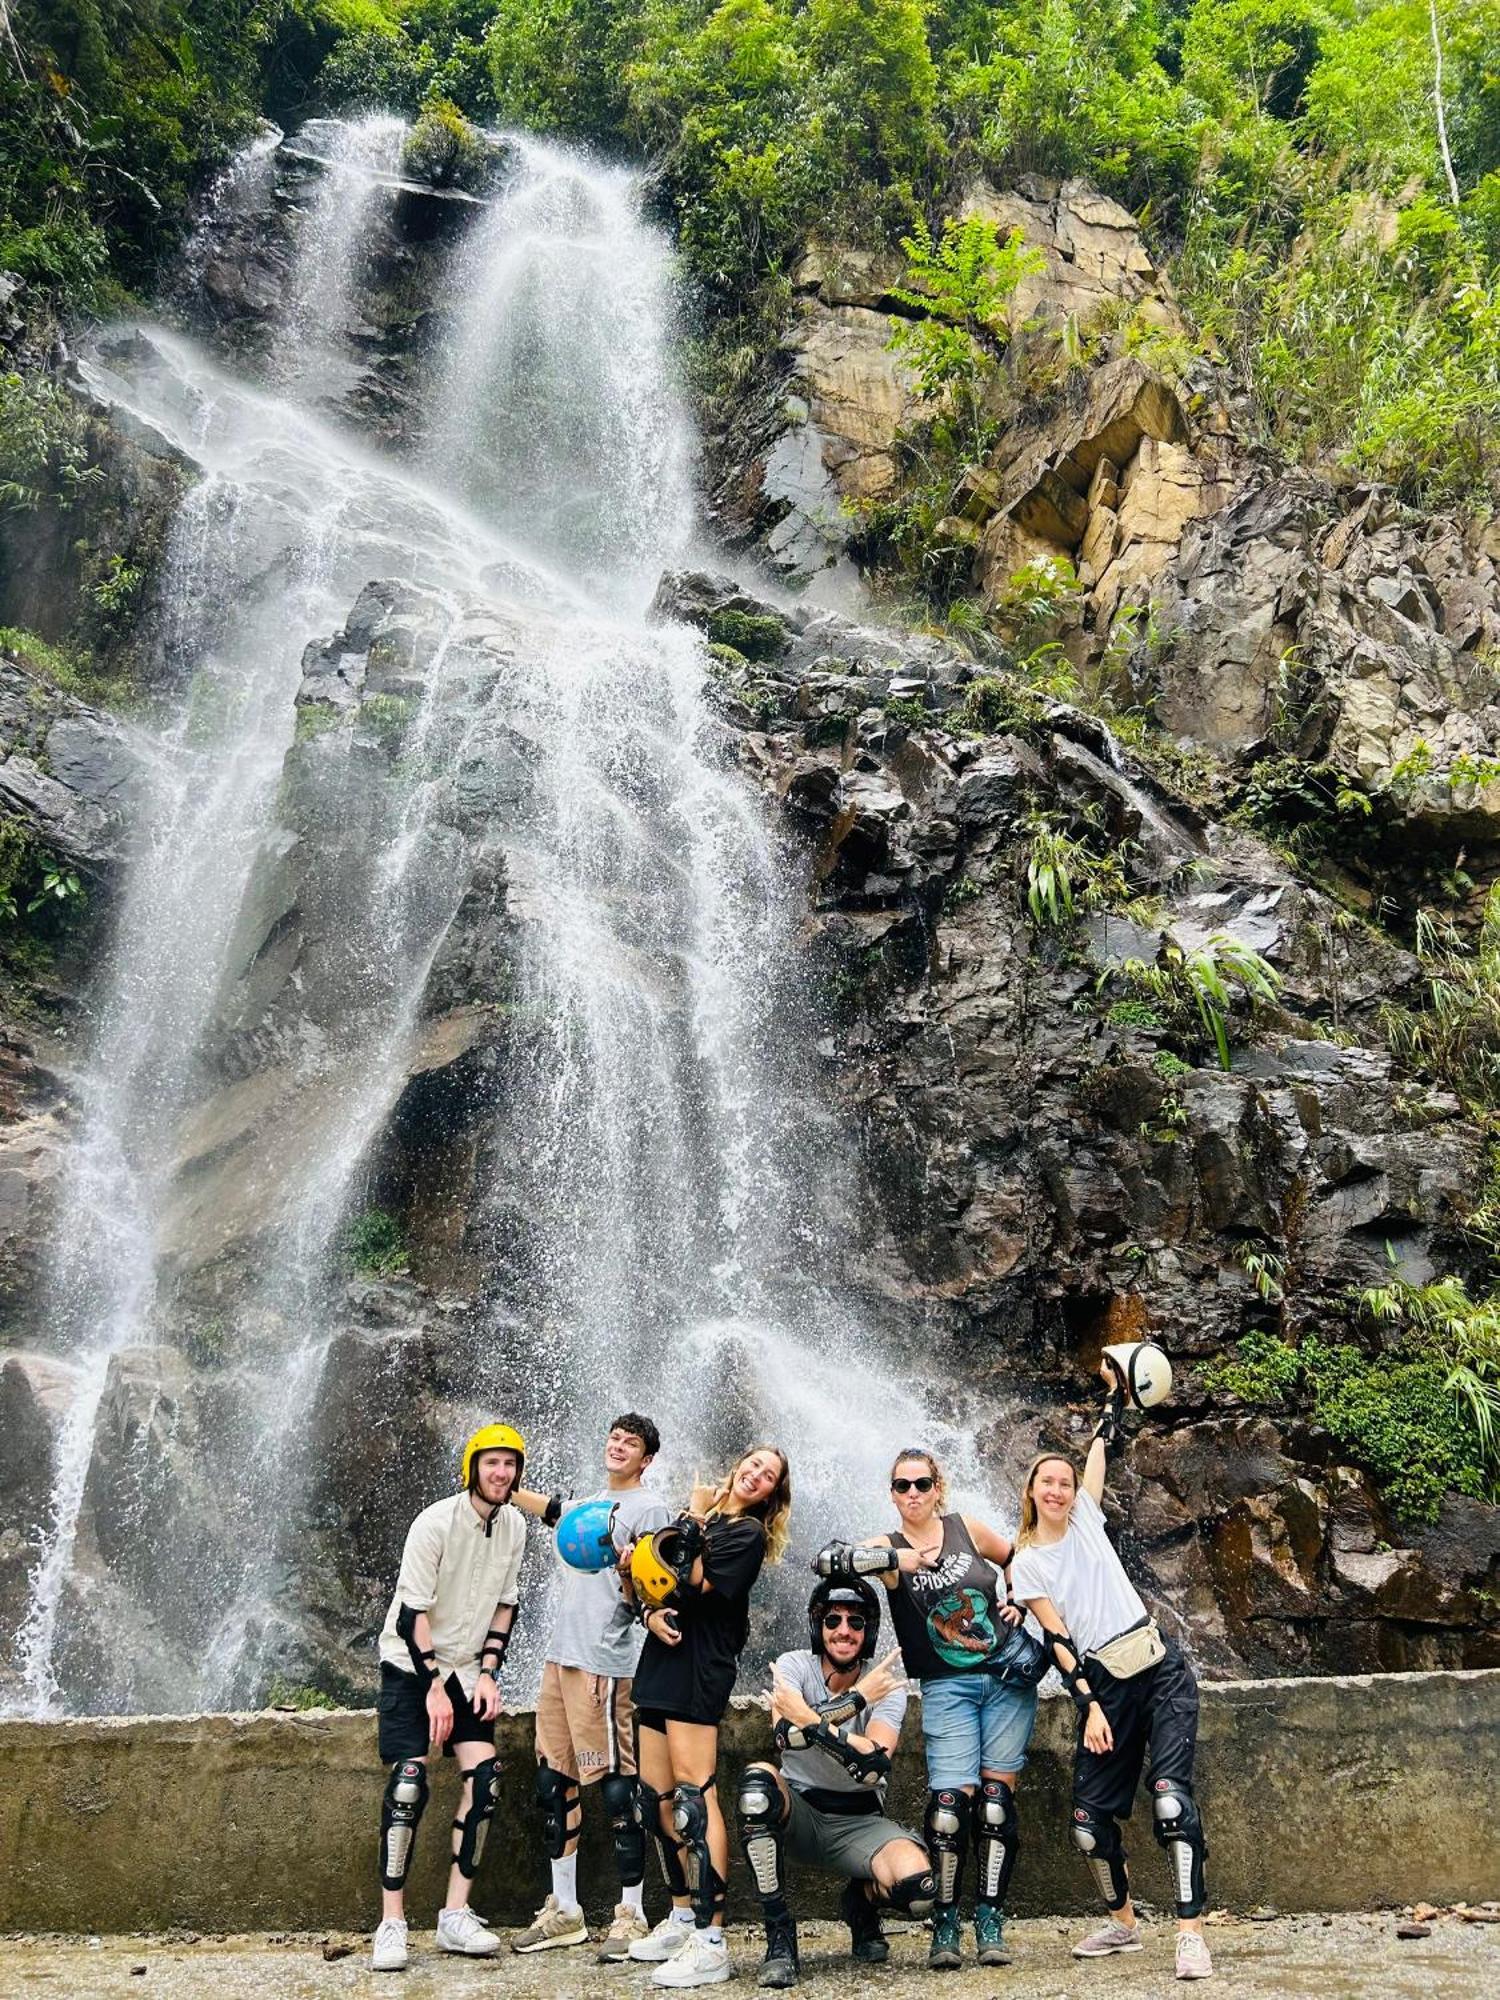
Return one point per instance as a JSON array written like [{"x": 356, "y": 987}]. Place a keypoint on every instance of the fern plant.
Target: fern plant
[
  {"x": 1457, "y": 1034},
  {"x": 1207, "y": 980}
]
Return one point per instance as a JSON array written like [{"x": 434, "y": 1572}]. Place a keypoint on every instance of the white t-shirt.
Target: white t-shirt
[
  {"x": 457, "y": 1574},
  {"x": 1083, "y": 1576},
  {"x": 591, "y": 1627}
]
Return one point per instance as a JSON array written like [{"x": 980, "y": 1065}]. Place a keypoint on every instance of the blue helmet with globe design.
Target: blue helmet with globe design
[{"x": 585, "y": 1536}]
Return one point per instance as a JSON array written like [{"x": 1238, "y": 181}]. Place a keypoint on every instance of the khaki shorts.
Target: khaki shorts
[
  {"x": 585, "y": 1724},
  {"x": 844, "y": 1843}
]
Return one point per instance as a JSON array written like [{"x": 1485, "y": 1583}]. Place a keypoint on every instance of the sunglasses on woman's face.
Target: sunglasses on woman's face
[
  {"x": 832, "y": 1620},
  {"x": 923, "y": 1485}
]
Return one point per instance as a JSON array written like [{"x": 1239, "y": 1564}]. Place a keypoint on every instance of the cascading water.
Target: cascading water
[{"x": 653, "y": 1215}]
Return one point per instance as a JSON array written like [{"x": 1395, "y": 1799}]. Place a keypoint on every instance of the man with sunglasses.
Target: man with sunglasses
[{"x": 837, "y": 1722}]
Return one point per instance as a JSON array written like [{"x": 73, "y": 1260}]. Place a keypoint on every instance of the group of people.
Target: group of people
[{"x": 642, "y": 1660}]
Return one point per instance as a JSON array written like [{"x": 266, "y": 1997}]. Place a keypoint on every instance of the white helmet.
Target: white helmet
[{"x": 1143, "y": 1372}]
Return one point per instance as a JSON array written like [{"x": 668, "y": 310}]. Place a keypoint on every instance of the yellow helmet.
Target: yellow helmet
[
  {"x": 491, "y": 1437},
  {"x": 655, "y": 1582}
]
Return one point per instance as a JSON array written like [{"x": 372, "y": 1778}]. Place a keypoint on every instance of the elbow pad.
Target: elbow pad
[
  {"x": 841, "y": 1708},
  {"x": 424, "y": 1663},
  {"x": 866, "y": 1767},
  {"x": 1072, "y": 1677}
]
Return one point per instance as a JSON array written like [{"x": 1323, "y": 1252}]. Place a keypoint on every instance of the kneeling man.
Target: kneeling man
[{"x": 837, "y": 1721}]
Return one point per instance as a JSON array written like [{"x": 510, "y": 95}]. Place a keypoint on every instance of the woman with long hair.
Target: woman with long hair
[
  {"x": 955, "y": 1622},
  {"x": 1132, "y": 1688},
  {"x": 682, "y": 1687}
]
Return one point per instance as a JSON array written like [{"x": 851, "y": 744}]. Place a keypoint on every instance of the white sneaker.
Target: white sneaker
[
  {"x": 1111, "y": 1936},
  {"x": 466, "y": 1932},
  {"x": 703, "y": 1961},
  {"x": 552, "y": 1926},
  {"x": 1193, "y": 1961},
  {"x": 665, "y": 1941},
  {"x": 389, "y": 1954}
]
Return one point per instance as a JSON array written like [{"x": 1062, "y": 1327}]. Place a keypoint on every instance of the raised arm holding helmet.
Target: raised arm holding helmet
[
  {"x": 441, "y": 1651},
  {"x": 838, "y": 1716},
  {"x": 1132, "y": 1687}
]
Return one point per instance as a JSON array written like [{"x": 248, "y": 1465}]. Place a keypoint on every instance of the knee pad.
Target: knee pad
[
  {"x": 622, "y": 1801},
  {"x": 1097, "y": 1838},
  {"x": 997, "y": 1839},
  {"x": 690, "y": 1819},
  {"x": 1178, "y": 1825},
  {"x": 668, "y": 1853},
  {"x": 475, "y": 1823},
  {"x": 557, "y": 1795},
  {"x": 945, "y": 1824},
  {"x": 405, "y": 1802},
  {"x": 913, "y": 1895},
  {"x": 758, "y": 1814}
]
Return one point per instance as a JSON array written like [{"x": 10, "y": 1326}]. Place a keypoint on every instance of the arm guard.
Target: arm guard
[
  {"x": 845, "y": 1559},
  {"x": 866, "y": 1767},
  {"x": 492, "y": 1652},
  {"x": 424, "y": 1663},
  {"x": 1107, "y": 1430},
  {"x": 552, "y": 1513},
  {"x": 689, "y": 1544},
  {"x": 1072, "y": 1677},
  {"x": 842, "y": 1708}
]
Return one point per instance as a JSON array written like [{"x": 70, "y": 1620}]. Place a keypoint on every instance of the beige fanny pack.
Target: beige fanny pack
[{"x": 1131, "y": 1653}]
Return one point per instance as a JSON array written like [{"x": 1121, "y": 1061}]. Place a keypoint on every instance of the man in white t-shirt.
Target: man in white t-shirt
[
  {"x": 585, "y": 1724},
  {"x": 837, "y": 1723},
  {"x": 441, "y": 1650}
]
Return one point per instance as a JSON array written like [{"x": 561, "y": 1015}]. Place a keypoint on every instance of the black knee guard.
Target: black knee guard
[
  {"x": 475, "y": 1823},
  {"x": 405, "y": 1802},
  {"x": 758, "y": 1817},
  {"x": 557, "y": 1795},
  {"x": 913, "y": 1895},
  {"x": 1178, "y": 1825},
  {"x": 668, "y": 1853},
  {"x": 690, "y": 1819},
  {"x": 622, "y": 1801},
  {"x": 946, "y": 1826},
  {"x": 1097, "y": 1838},
  {"x": 997, "y": 1839}
]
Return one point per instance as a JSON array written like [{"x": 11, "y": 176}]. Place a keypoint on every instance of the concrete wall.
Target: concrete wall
[{"x": 1318, "y": 1794}]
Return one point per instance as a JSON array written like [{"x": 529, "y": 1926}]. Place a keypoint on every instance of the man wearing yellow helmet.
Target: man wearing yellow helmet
[{"x": 441, "y": 1650}]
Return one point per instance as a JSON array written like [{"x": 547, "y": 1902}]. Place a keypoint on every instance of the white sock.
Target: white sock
[
  {"x": 634, "y": 1897},
  {"x": 715, "y": 1933},
  {"x": 565, "y": 1881},
  {"x": 682, "y": 1916}
]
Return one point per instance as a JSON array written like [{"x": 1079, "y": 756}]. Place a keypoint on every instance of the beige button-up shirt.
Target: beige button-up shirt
[{"x": 457, "y": 1574}]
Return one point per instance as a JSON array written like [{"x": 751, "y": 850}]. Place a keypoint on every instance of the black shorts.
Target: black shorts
[
  {"x": 1159, "y": 1709},
  {"x": 658, "y": 1718},
  {"x": 405, "y": 1731}
]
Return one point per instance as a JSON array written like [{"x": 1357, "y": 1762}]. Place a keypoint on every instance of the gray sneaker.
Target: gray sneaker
[
  {"x": 550, "y": 1927},
  {"x": 1110, "y": 1937},
  {"x": 1193, "y": 1961},
  {"x": 389, "y": 1953}
]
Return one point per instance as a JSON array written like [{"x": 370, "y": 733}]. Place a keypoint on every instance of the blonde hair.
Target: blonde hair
[
  {"x": 773, "y": 1512},
  {"x": 1027, "y": 1530},
  {"x": 939, "y": 1482}
]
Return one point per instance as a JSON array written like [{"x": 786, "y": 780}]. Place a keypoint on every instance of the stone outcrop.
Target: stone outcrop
[{"x": 1045, "y": 1185}]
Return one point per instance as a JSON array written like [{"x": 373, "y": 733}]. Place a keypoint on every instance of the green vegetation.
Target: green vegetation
[
  {"x": 753, "y": 635},
  {"x": 1456, "y": 1036},
  {"x": 295, "y": 1695},
  {"x": 445, "y": 149},
  {"x": 375, "y": 1244},
  {"x": 1424, "y": 1418},
  {"x": 387, "y": 717},
  {"x": 1207, "y": 982},
  {"x": 40, "y": 895}
]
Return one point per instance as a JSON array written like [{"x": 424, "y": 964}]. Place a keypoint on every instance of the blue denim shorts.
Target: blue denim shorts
[{"x": 974, "y": 1720}]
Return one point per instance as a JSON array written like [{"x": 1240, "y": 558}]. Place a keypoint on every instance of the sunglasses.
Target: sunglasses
[
  {"x": 924, "y": 1484},
  {"x": 832, "y": 1620}
]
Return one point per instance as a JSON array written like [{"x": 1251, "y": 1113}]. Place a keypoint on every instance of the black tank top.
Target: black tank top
[{"x": 945, "y": 1616}]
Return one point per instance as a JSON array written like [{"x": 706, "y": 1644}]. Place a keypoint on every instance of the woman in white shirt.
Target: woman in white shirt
[{"x": 1132, "y": 1687}]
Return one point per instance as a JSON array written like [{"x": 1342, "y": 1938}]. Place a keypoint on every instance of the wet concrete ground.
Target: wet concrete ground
[{"x": 1290, "y": 1958}]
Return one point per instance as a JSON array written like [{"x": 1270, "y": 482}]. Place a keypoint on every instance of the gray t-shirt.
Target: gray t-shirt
[
  {"x": 815, "y": 1770},
  {"x": 591, "y": 1627}
]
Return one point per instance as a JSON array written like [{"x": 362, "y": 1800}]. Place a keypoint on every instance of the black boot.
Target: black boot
[
  {"x": 866, "y": 1938},
  {"x": 779, "y": 1966}
]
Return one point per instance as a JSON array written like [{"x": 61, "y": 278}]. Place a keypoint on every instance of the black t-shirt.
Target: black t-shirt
[
  {"x": 945, "y": 1615},
  {"x": 696, "y": 1679}
]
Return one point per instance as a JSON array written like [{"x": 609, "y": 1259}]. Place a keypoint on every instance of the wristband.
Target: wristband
[{"x": 552, "y": 1513}]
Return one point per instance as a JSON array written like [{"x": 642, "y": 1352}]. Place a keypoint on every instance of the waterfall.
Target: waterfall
[{"x": 659, "y": 1207}]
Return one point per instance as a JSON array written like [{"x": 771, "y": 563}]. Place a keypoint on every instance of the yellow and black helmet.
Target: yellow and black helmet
[
  {"x": 651, "y": 1571},
  {"x": 491, "y": 1437}
]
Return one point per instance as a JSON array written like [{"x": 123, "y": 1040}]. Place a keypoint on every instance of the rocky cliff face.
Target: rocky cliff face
[{"x": 1044, "y": 1171}]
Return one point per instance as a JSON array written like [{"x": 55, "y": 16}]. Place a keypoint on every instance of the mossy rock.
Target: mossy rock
[{"x": 751, "y": 634}]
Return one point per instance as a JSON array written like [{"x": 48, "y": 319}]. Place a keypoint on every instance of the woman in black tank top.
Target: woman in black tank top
[{"x": 951, "y": 1616}]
